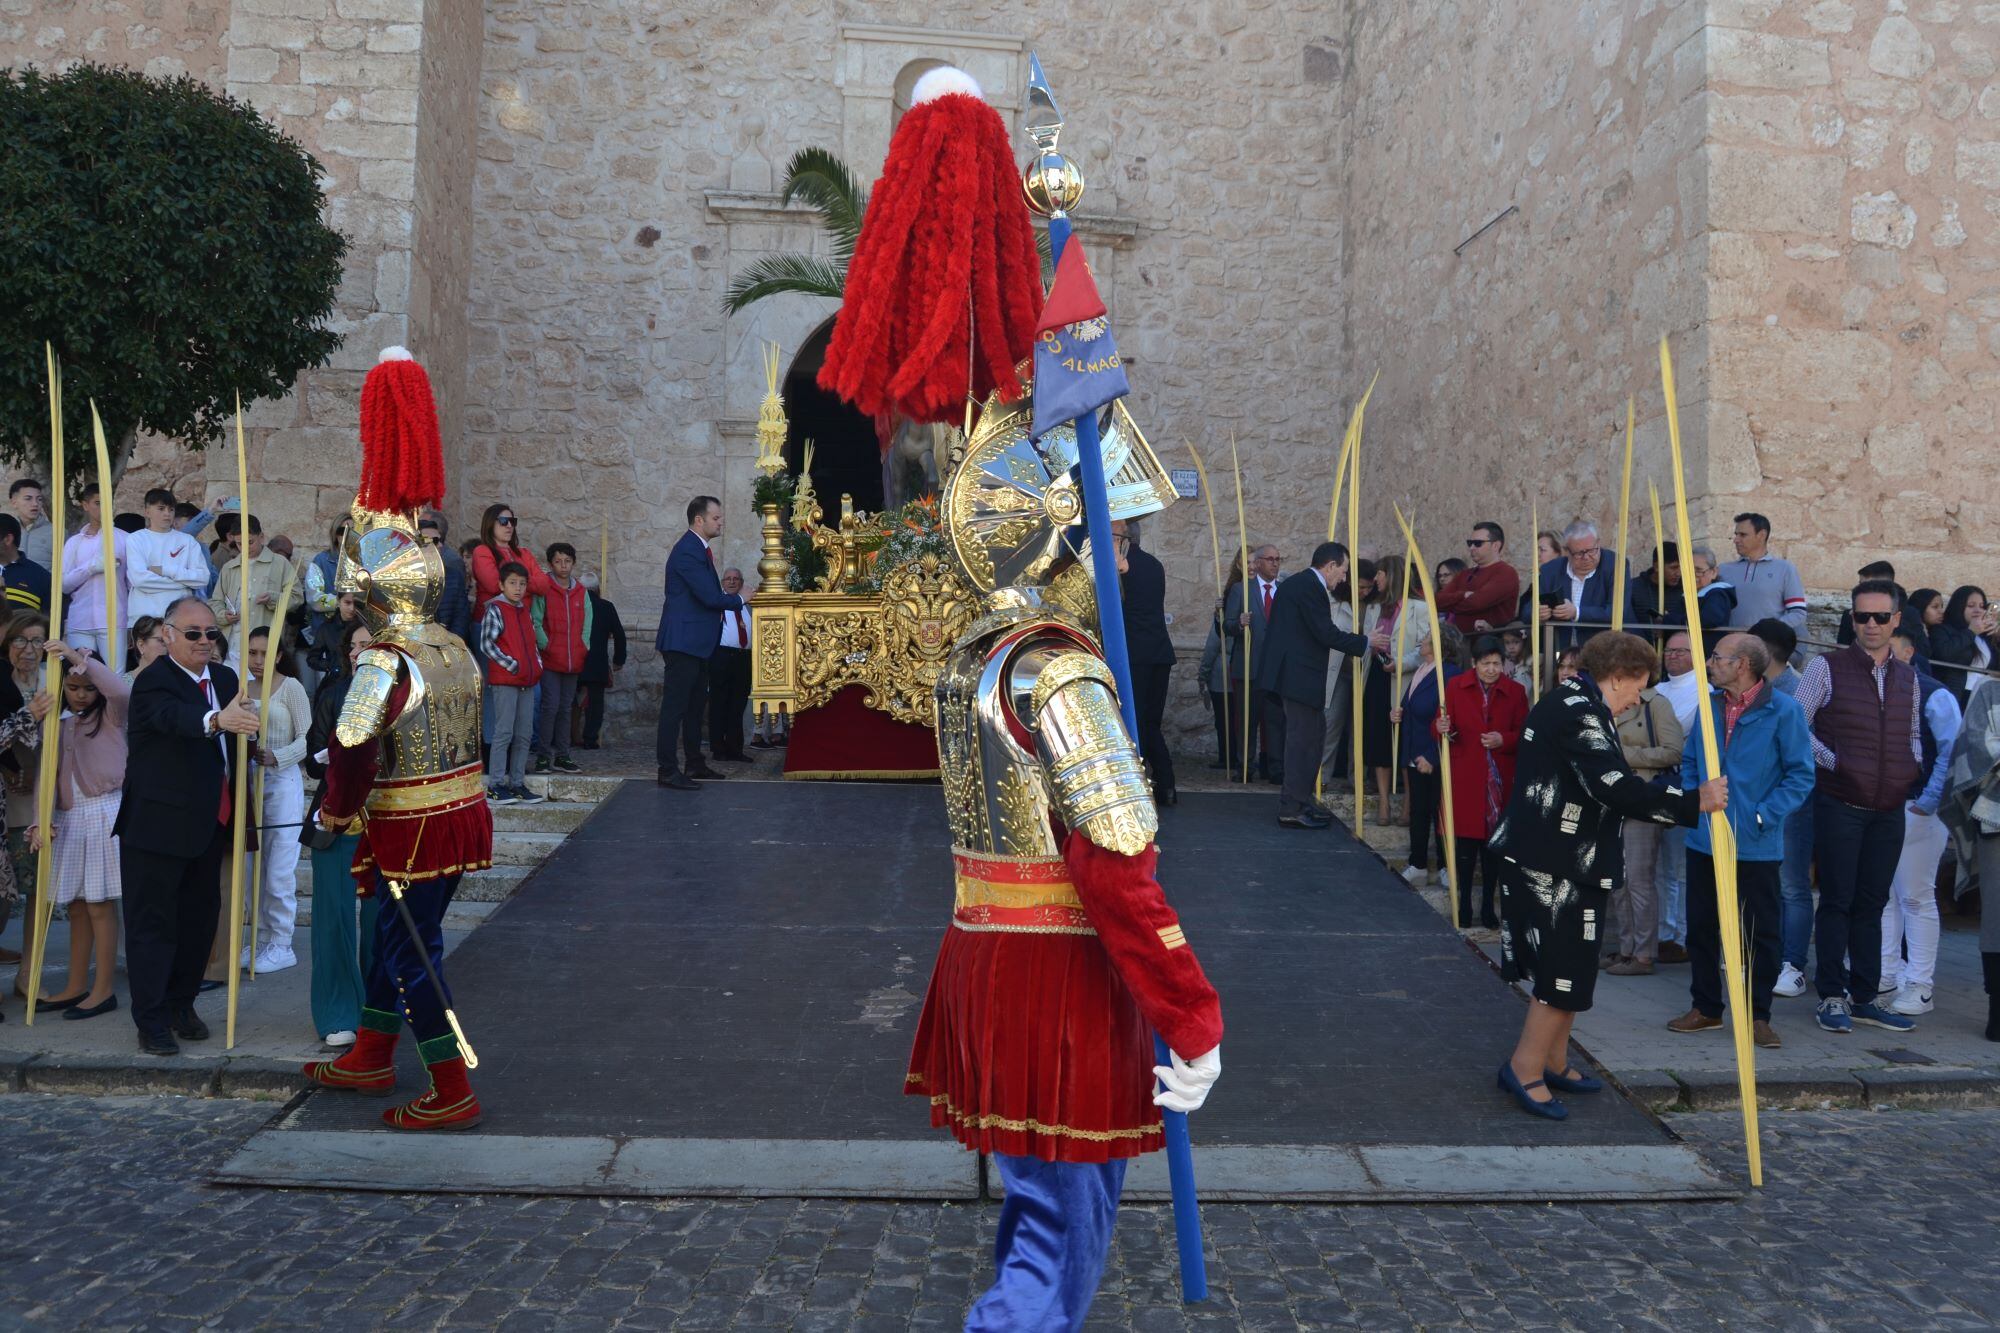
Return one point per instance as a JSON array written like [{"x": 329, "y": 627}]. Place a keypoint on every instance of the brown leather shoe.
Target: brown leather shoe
[
  {"x": 1672, "y": 953},
  {"x": 1765, "y": 1035},
  {"x": 1606, "y": 962},
  {"x": 1631, "y": 967},
  {"x": 1694, "y": 1020}
]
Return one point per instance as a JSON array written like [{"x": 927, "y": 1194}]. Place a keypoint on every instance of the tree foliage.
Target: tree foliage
[{"x": 168, "y": 241}]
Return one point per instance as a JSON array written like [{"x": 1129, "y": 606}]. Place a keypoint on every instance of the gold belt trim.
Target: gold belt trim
[{"x": 428, "y": 794}]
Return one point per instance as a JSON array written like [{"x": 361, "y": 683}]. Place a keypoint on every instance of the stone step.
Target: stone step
[
  {"x": 574, "y": 786},
  {"x": 525, "y": 849},
  {"x": 552, "y": 816}
]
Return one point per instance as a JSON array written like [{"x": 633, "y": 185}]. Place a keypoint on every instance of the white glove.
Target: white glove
[{"x": 1186, "y": 1082}]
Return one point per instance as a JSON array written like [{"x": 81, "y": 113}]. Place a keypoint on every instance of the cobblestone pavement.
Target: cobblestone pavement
[{"x": 1870, "y": 1220}]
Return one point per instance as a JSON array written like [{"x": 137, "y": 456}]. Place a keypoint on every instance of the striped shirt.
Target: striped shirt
[{"x": 1816, "y": 687}]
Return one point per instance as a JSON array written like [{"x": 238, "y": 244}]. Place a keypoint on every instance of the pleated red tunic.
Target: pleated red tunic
[{"x": 1035, "y": 1038}]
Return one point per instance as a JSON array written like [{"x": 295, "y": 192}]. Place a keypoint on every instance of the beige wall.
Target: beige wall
[
  {"x": 1855, "y": 292},
  {"x": 1506, "y": 365}
]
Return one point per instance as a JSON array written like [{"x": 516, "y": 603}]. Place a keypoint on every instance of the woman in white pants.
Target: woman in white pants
[
  {"x": 1911, "y": 916},
  {"x": 283, "y": 747}
]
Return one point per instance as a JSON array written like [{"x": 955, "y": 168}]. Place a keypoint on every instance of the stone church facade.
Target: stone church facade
[{"x": 1499, "y": 206}]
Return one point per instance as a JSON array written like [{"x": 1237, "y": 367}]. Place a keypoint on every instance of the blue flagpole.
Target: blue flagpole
[{"x": 1111, "y": 632}]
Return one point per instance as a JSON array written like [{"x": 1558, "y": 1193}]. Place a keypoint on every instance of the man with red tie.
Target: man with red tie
[
  {"x": 173, "y": 823},
  {"x": 690, "y": 632},
  {"x": 729, "y": 678},
  {"x": 1256, "y": 618}
]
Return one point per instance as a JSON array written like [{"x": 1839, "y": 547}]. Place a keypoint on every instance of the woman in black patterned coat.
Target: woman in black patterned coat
[{"x": 1561, "y": 844}]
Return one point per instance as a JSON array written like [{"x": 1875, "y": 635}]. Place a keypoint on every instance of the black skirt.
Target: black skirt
[
  {"x": 1375, "y": 726},
  {"x": 1551, "y": 932}
]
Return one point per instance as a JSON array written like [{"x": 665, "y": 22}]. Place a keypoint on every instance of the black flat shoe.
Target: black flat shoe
[
  {"x": 188, "y": 1026},
  {"x": 57, "y": 1006},
  {"x": 707, "y": 774},
  {"x": 158, "y": 1043},
  {"x": 92, "y": 1011},
  {"x": 1168, "y": 797},
  {"x": 679, "y": 782},
  {"x": 1564, "y": 1083},
  {"x": 207, "y": 986}
]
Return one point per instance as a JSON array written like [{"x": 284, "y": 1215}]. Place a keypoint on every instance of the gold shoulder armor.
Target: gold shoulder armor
[
  {"x": 365, "y": 713},
  {"x": 1094, "y": 769}
]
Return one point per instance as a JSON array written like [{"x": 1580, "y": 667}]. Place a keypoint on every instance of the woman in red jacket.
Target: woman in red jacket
[
  {"x": 1484, "y": 712},
  {"x": 500, "y": 542}
]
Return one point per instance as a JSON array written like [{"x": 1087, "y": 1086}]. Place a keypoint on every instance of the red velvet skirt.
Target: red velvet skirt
[{"x": 1030, "y": 1045}]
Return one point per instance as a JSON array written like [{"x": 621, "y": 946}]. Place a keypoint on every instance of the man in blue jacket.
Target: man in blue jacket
[
  {"x": 1767, "y": 757},
  {"x": 1578, "y": 586},
  {"x": 690, "y": 629}
]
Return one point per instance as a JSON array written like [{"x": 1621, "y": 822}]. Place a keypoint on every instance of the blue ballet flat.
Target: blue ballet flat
[
  {"x": 1564, "y": 1083},
  {"x": 1548, "y": 1110}
]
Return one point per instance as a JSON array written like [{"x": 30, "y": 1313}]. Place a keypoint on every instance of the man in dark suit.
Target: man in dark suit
[
  {"x": 729, "y": 679},
  {"x": 1266, "y": 718},
  {"x": 1151, "y": 653},
  {"x": 173, "y": 824},
  {"x": 690, "y": 629},
  {"x": 1293, "y": 668},
  {"x": 1579, "y": 585}
]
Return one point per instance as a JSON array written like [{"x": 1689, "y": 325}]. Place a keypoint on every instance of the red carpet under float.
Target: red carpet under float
[{"x": 846, "y": 739}]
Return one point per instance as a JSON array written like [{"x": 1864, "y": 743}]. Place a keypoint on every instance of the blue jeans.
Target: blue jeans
[
  {"x": 1858, "y": 851},
  {"x": 1670, "y": 878},
  {"x": 1055, "y": 1234},
  {"x": 1795, "y": 920}
]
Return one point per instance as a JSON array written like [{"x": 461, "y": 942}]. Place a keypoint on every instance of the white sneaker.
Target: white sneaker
[
  {"x": 1791, "y": 982},
  {"x": 341, "y": 1038},
  {"x": 276, "y": 960},
  {"x": 1911, "y": 1001},
  {"x": 1416, "y": 876},
  {"x": 1444, "y": 880},
  {"x": 243, "y": 959}
]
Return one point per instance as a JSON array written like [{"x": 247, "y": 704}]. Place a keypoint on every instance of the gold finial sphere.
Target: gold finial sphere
[{"x": 1053, "y": 183}]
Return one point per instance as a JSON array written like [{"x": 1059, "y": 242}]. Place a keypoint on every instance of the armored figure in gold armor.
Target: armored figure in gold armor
[
  {"x": 404, "y": 762},
  {"x": 1062, "y": 955}
]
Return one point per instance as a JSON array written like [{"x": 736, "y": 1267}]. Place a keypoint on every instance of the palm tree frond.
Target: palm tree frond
[
  {"x": 774, "y": 274},
  {"x": 819, "y": 177}
]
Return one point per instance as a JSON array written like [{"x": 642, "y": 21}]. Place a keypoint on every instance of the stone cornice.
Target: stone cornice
[
  {"x": 900, "y": 35},
  {"x": 759, "y": 206}
]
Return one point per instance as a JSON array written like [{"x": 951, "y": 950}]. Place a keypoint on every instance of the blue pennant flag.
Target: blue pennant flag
[{"x": 1077, "y": 367}]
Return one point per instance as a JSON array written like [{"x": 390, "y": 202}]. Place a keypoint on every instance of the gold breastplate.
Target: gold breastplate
[
  {"x": 1035, "y": 675},
  {"x": 438, "y": 730}
]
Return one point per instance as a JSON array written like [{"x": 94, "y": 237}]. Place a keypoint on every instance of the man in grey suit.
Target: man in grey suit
[{"x": 1262, "y": 586}]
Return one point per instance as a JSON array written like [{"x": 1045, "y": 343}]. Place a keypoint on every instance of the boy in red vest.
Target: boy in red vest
[
  {"x": 513, "y": 666},
  {"x": 562, "y": 619}
]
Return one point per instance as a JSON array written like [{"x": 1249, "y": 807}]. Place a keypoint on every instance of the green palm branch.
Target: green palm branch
[{"x": 828, "y": 187}]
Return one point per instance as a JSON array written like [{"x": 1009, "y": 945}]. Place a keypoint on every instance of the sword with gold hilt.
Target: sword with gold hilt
[{"x": 437, "y": 983}]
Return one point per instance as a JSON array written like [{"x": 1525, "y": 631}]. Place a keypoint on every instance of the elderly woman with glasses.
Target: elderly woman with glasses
[{"x": 1561, "y": 849}]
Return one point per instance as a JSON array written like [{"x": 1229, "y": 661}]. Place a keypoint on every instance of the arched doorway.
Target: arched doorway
[{"x": 847, "y": 458}]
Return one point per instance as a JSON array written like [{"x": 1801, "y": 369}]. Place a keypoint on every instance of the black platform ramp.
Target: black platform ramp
[{"x": 714, "y": 993}]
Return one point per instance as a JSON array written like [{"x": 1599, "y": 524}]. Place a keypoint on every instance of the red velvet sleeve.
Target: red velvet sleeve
[{"x": 1143, "y": 936}]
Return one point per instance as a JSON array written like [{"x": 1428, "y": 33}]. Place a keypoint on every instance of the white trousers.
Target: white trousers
[
  {"x": 278, "y": 862},
  {"x": 1912, "y": 913},
  {"x": 111, "y": 653}
]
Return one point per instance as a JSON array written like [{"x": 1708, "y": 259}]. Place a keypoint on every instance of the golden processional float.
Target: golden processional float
[{"x": 878, "y": 600}]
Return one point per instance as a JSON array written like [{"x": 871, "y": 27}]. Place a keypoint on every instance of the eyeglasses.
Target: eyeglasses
[
  {"x": 1474, "y": 543},
  {"x": 506, "y": 522},
  {"x": 212, "y": 634},
  {"x": 1680, "y": 652},
  {"x": 1873, "y": 617},
  {"x": 32, "y": 645},
  {"x": 1588, "y": 553}
]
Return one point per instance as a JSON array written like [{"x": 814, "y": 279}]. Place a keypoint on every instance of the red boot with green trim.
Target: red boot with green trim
[
  {"x": 370, "y": 1064},
  {"x": 450, "y": 1104}
]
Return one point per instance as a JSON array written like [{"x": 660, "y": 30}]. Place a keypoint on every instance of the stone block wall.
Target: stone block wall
[
  {"x": 1855, "y": 304},
  {"x": 1572, "y": 134}
]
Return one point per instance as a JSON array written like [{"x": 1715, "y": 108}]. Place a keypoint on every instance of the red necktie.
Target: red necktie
[
  {"x": 1267, "y": 598},
  {"x": 222, "y": 812},
  {"x": 742, "y": 630},
  {"x": 709, "y": 551}
]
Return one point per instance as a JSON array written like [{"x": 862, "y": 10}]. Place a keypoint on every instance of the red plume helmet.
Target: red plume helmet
[
  {"x": 402, "y": 456},
  {"x": 945, "y": 278}
]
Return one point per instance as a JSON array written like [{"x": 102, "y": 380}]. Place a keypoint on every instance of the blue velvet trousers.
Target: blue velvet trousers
[{"x": 1055, "y": 1234}]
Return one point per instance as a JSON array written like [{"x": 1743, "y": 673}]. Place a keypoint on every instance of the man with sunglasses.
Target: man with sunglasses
[
  {"x": 1483, "y": 594},
  {"x": 173, "y": 822},
  {"x": 1865, "y": 711}
]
